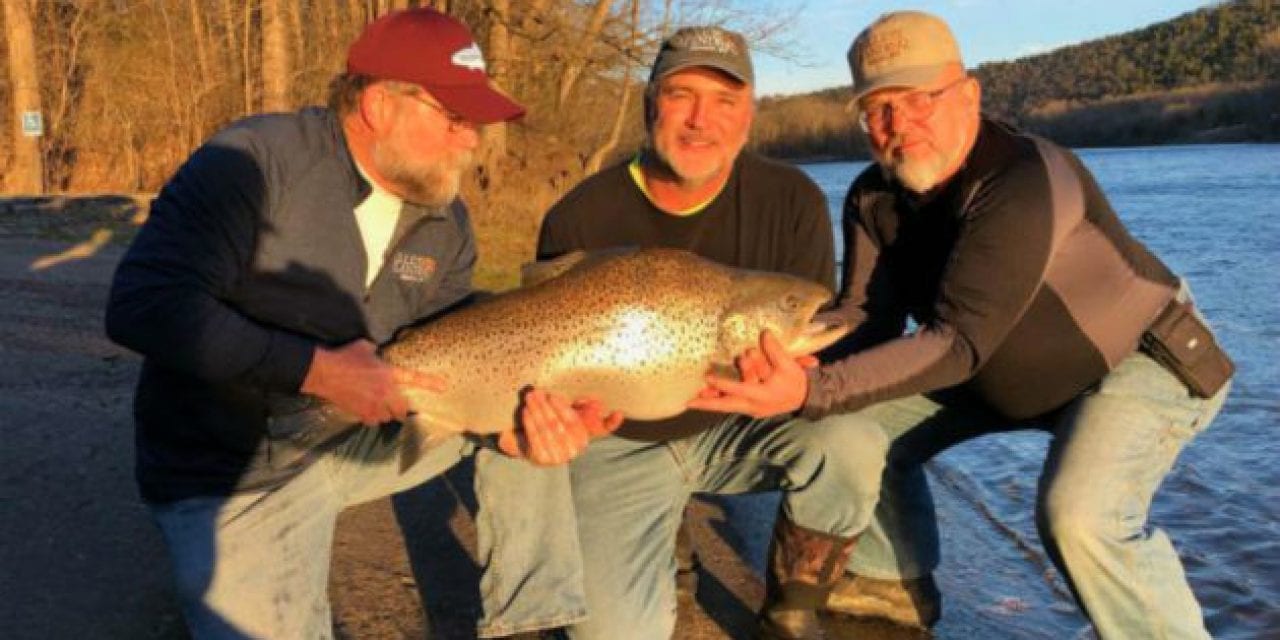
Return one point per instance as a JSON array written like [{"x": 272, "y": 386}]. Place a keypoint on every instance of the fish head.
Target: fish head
[{"x": 782, "y": 304}]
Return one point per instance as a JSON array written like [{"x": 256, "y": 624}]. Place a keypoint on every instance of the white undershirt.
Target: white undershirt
[{"x": 376, "y": 217}]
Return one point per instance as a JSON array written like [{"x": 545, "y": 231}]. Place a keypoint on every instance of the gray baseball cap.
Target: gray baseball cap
[
  {"x": 712, "y": 47},
  {"x": 901, "y": 49}
]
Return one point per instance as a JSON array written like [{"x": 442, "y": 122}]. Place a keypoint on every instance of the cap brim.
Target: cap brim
[
  {"x": 708, "y": 63},
  {"x": 478, "y": 103},
  {"x": 909, "y": 77}
]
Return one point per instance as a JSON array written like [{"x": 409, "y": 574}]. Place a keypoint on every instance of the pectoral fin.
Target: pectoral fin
[{"x": 419, "y": 435}]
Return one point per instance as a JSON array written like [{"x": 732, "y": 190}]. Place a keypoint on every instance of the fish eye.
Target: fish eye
[{"x": 790, "y": 302}]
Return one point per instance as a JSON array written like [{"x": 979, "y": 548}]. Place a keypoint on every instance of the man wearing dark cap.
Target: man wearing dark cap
[
  {"x": 1034, "y": 308},
  {"x": 279, "y": 255},
  {"x": 693, "y": 187}
]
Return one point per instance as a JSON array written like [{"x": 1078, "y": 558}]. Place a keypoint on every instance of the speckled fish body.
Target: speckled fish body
[{"x": 637, "y": 330}]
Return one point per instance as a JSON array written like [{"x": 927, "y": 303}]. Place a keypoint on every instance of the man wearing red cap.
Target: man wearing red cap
[
  {"x": 272, "y": 263},
  {"x": 1034, "y": 308}
]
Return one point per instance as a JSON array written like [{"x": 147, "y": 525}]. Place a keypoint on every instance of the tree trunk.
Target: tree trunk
[
  {"x": 624, "y": 102},
  {"x": 246, "y": 60},
  {"x": 200, "y": 39},
  {"x": 26, "y": 172},
  {"x": 275, "y": 57},
  {"x": 499, "y": 67},
  {"x": 577, "y": 59}
]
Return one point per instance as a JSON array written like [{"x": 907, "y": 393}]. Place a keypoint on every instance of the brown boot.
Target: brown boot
[
  {"x": 803, "y": 568},
  {"x": 912, "y": 602},
  {"x": 687, "y": 562}
]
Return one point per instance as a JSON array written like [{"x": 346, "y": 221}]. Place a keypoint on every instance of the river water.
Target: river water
[{"x": 1212, "y": 213}]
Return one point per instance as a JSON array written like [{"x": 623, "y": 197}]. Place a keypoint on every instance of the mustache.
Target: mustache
[{"x": 698, "y": 139}]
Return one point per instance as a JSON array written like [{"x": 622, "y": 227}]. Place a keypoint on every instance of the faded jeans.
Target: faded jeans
[
  {"x": 630, "y": 498},
  {"x": 1110, "y": 450},
  {"x": 256, "y": 564}
]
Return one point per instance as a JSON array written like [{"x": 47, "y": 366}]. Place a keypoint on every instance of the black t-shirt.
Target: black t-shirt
[{"x": 769, "y": 216}]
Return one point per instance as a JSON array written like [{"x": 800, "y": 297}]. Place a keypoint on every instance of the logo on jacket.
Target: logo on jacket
[{"x": 412, "y": 267}]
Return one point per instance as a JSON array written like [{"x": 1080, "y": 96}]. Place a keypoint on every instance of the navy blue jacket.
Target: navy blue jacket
[{"x": 250, "y": 258}]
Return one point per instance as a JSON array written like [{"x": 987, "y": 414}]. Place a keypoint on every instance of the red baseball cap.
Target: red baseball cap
[{"x": 437, "y": 53}]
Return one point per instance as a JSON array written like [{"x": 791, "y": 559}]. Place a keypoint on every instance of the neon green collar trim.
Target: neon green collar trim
[{"x": 637, "y": 176}]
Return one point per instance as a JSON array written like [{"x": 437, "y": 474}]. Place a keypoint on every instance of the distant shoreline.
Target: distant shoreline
[{"x": 834, "y": 158}]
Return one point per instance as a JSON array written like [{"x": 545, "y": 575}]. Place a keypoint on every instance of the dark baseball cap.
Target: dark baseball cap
[
  {"x": 436, "y": 52},
  {"x": 712, "y": 47}
]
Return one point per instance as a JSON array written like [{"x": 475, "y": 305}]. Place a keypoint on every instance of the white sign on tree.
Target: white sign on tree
[{"x": 32, "y": 124}]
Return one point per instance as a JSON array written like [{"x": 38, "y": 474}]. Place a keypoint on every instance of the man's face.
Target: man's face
[
  {"x": 425, "y": 149},
  {"x": 920, "y": 135},
  {"x": 701, "y": 121}
]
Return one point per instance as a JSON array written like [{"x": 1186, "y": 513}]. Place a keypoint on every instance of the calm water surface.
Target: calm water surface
[{"x": 1213, "y": 214}]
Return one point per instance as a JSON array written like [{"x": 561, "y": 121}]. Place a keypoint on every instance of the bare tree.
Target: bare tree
[
  {"x": 500, "y": 52},
  {"x": 624, "y": 102},
  {"x": 577, "y": 55},
  {"x": 276, "y": 74},
  {"x": 26, "y": 172}
]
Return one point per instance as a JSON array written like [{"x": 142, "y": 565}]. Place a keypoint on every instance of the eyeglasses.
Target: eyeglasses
[
  {"x": 456, "y": 122},
  {"x": 914, "y": 106}
]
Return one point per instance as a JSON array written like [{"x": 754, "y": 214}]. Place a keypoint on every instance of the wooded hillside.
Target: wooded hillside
[{"x": 1208, "y": 75}]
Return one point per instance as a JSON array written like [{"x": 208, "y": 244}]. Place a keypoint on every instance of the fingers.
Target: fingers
[
  {"x": 773, "y": 349},
  {"x": 611, "y": 423},
  {"x": 538, "y": 419},
  {"x": 754, "y": 366},
  {"x": 722, "y": 404},
  {"x": 512, "y": 443},
  {"x": 571, "y": 432}
]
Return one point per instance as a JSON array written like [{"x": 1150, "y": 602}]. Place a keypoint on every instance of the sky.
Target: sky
[{"x": 988, "y": 30}]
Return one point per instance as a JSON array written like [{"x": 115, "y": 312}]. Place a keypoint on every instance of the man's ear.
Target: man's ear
[
  {"x": 375, "y": 107},
  {"x": 973, "y": 92}
]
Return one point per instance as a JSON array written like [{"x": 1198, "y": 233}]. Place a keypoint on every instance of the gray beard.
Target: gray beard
[{"x": 430, "y": 184}]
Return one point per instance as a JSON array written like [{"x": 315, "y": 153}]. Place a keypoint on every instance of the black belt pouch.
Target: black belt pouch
[{"x": 1180, "y": 341}]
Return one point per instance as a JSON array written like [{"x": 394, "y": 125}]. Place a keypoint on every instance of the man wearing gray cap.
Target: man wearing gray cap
[
  {"x": 693, "y": 187},
  {"x": 1034, "y": 308}
]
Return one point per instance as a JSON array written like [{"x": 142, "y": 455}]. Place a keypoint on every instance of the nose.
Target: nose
[
  {"x": 468, "y": 136},
  {"x": 894, "y": 121},
  {"x": 697, "y": 116}
]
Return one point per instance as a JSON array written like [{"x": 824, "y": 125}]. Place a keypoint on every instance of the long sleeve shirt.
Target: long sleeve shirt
[{"x": 1024, "y": 286}]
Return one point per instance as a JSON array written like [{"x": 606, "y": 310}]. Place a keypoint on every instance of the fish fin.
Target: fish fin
[
  {"x": 305, "y": 421},
  {"x": 533, "y": 273},
  {"x": 419, "y": 436}
]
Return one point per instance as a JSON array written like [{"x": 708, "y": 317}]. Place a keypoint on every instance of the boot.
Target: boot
[
  {"x": 803, "y": 568},
  {"x": 687, "y": 562},
  {"x": 911, "y": 602}
]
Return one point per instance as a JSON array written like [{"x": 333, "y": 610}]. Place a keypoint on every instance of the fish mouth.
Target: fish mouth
[{"x": 816, "y": 336}]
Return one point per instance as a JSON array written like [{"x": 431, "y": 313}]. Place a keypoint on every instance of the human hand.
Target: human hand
[
  {"x": 554, "y": 431},
  {"x": 358, "y": 382},
  {"x": 773, "y": 382}
]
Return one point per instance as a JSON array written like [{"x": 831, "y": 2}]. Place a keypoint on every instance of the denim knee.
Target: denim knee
[
  {"x": 836, "y": 480},
  {"x": 852, "y": 446},
  {"x": 1072, "y": 518}
]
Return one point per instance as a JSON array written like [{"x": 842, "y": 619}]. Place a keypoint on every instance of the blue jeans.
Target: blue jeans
[
  {"x": 1110, "y": 450},
  {"x": 256, "y": 564},
  {"x": 630, "y": 497}
]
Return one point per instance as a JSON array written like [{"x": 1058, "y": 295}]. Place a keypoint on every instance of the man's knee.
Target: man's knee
[
  {"x": 851, "y": 446},
  {"x": 1075, "y": 519}
]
